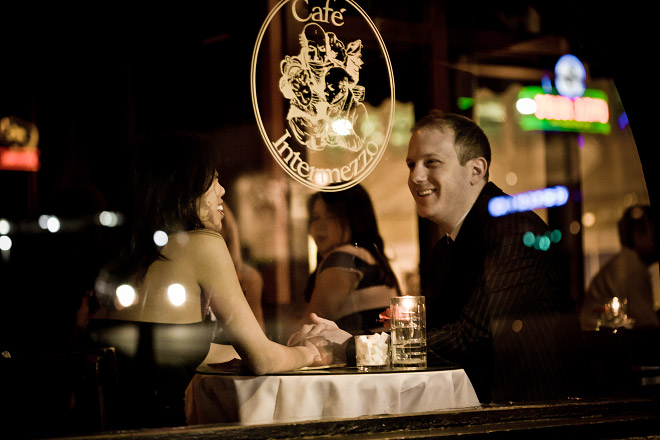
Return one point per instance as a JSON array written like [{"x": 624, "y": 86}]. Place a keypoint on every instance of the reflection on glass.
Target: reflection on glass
[
  {"x": 125, "y": 295},
  {"x": 176, "y": 294}
]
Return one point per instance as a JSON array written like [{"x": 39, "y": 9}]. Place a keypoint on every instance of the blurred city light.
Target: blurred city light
[
  {"x": 585, "y": 114},
  {"x": 43, "y": 221},
  {"x": 528, "y": 201},
  {"x": 526, "y": 106},
  {"x": 160, "y": 238},
  {"x": 110, "y": 219},
  {"x": 53, "y": 224},
  {"x": 622, "y": 120},
  {"x": 126, "y": 295},
  {"x": 177, "y": 294},
  {"x": 570, "y": 76},
  {"x": 588, "y": 219},
  {"x": 5, "y": 227},
  {"x": 5, "y": 243},
  {"x": 511, "y": 178},
  {"x": 464, "y": 102},
  {"x": 541, "y": 242}
]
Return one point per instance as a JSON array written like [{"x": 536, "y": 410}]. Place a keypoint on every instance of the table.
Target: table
[{"x": 226, "y": 396}]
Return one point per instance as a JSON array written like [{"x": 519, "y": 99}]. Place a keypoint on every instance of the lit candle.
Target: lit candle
[{"x": 615, "y": 306}]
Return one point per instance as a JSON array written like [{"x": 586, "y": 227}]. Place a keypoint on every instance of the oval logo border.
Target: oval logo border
[{"x": 257, "y": 113}]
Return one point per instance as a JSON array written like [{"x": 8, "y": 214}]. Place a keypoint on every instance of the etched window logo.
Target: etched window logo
[{"x": 324, "y": 139}]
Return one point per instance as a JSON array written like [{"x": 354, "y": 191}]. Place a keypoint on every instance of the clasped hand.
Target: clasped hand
[{"x": 326, "y": 336}]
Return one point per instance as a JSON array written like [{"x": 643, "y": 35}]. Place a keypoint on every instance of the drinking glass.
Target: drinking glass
[{"x": 408, "y": 332}]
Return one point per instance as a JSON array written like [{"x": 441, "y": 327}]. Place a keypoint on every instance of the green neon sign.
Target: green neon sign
[{"x": 540, "y": 111}]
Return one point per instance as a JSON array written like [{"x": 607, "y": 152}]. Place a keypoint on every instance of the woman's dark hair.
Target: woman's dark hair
[
  {"x": 354, "y": 208},
  {"x": 635, "y": 218},
  {"x": 171, "y": 171}
]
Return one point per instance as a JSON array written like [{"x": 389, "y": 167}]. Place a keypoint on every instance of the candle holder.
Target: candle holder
[
  {"x": 615, "y": 315},
  {"x": 408, "y": 332}
]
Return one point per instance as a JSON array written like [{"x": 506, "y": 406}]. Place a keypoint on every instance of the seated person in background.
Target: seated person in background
[
  {"x": 626, "y": 276},
  {"x": 251, "y": 280},
  {"x": 158, "y": 323},
  {"x": 353, "y": 281}
]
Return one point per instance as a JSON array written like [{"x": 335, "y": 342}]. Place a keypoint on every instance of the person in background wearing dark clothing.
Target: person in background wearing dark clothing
[{"x": 626, "y": 276}]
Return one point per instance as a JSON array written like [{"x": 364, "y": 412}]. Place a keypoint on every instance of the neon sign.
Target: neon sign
[
  {"x": 570, "y": 76},
  {"x": 550, "y": 112},
  {"x": 18, "y": 145},
  {"x": 528, "y": 201},
  {"x": 19, "y": 159}
]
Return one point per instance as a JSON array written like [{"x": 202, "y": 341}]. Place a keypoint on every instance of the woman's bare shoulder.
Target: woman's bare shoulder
[
  {"x": 358, "y": 251},
  {"x": 196, "y": 242}
]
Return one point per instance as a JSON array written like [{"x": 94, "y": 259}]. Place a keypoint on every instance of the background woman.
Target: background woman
[{"x": 353, "y": 281}]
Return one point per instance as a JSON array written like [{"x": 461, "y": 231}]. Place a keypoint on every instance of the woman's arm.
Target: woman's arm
[
  {"x": 331, "y": 290},
  {"x": 217, "y": 278}
]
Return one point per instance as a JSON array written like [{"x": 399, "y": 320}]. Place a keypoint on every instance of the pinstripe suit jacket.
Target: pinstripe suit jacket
[{"x": 501, "y": 309}]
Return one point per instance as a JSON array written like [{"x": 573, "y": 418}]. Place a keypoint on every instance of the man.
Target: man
[{"x": 494, "y": 306}]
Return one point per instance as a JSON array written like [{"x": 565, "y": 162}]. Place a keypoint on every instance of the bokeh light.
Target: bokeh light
[
  {"x": 526, "y": 106},
  {"x": 176, "y": 294},
  {"x": 574, "y": 227},
  {"x": 43, "y": 221},
  {"x": 126, "y": 295},
  {"x": 588, "y": 219},
  {"x": 5, "y": 243},
  {"x": 5, "y": 227},
  {"x": 109, "y": 219},
  {"x": 53, "y": 224},
  {"x": 529, "y": 238},
  {"x": 160, "y": 238},
  {"x": 511, "y": 178}
]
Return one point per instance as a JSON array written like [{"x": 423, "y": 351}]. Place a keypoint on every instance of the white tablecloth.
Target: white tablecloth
[{"x": 289, "y": 398}]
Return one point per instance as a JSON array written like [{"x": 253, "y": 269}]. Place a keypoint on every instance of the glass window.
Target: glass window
[{"x": 79, "y": 92}]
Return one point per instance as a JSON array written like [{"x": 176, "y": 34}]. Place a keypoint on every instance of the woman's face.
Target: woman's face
[
  {"x": 210, "y": 208},
  {"x": 327, "y": 229}
]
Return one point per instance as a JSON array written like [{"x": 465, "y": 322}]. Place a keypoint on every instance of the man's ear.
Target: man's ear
[{"x": 478, "y": 167}]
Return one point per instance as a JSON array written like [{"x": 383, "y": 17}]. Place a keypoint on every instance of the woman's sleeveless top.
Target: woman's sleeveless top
[{"x": 360, "y": 310}]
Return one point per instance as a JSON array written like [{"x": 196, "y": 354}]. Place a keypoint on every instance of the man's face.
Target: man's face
[{"x": 438, "y": 182}]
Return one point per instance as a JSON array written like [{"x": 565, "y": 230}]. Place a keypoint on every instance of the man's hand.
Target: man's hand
[
  {"x": 326, "y": 330},
  {"x": 325, "y": 355}
]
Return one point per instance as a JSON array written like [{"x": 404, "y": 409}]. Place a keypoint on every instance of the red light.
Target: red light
[{"x": 19, "y": 159}]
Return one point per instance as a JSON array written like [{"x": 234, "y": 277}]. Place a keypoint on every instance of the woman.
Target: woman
[
  {"x": 178, "y": 280},
  {"x": 353, "y": 281}
]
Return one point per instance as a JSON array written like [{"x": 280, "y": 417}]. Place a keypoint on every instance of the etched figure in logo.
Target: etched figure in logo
[
  {"x": 298, "y": 87},
  {"x": 321, "y": 84},
  {"x": 344, "y": 108}
]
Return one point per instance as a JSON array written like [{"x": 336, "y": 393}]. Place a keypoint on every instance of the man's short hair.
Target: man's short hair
[{"x": 470, "y": 140}]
